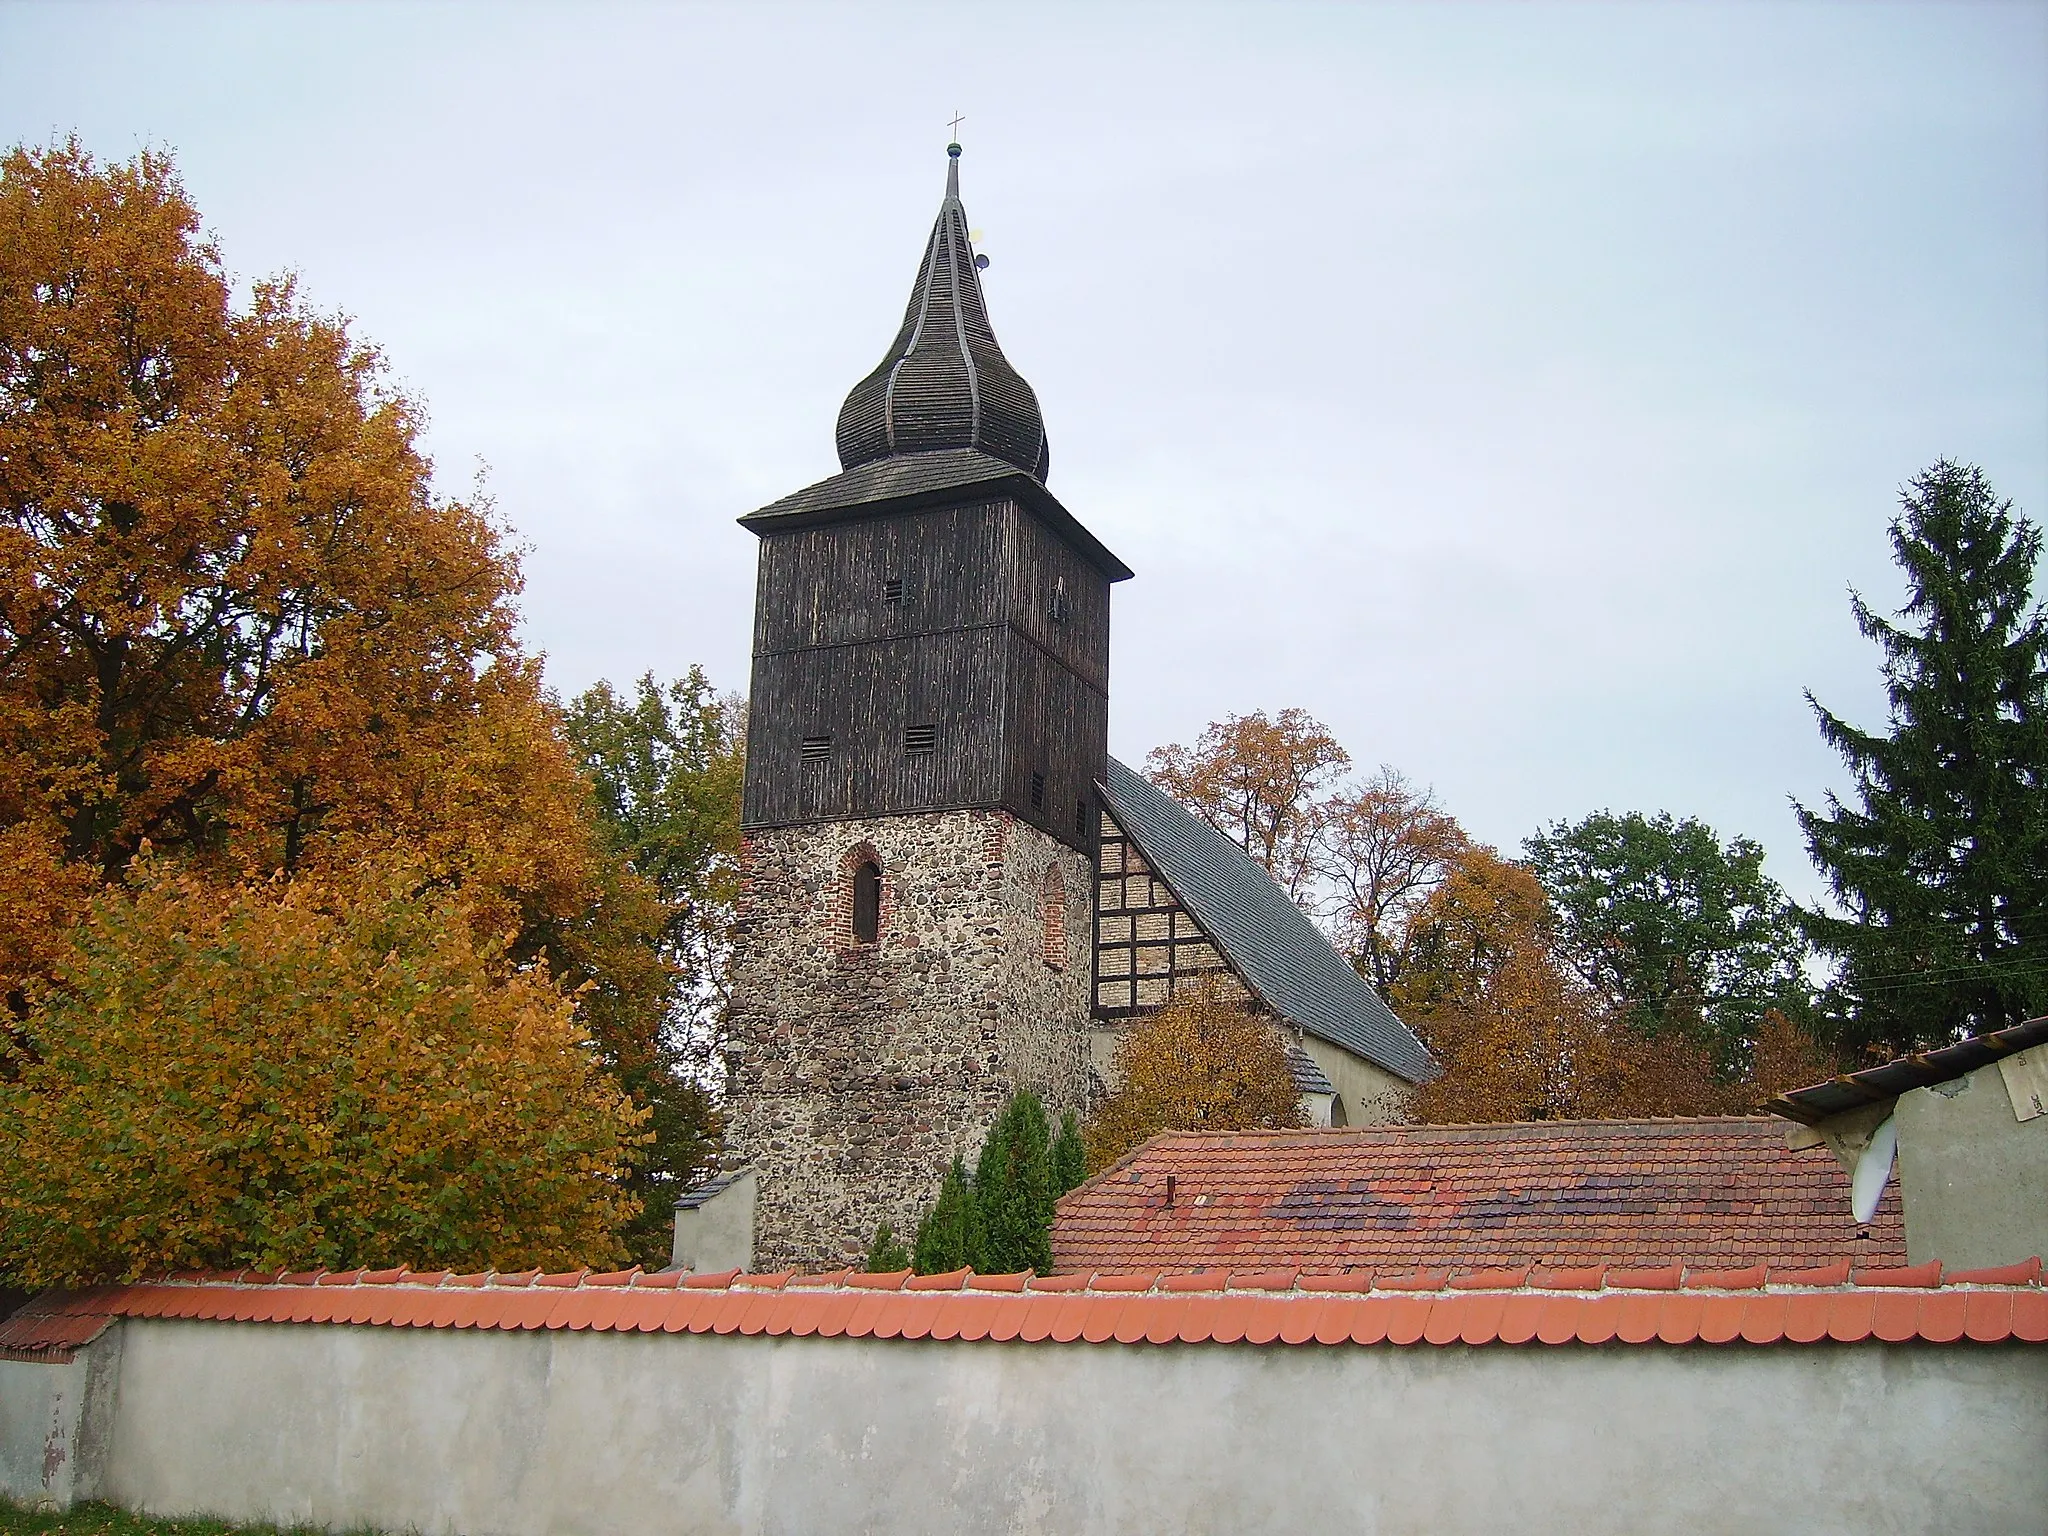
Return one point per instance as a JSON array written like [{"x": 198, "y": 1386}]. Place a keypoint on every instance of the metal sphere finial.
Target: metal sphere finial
[{"x": 953, "y": 150}]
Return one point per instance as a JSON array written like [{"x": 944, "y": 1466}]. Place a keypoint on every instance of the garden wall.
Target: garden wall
[{"x": 842, "y": 1408}]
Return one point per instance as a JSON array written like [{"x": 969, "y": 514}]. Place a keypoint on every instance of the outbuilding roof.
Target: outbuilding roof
[
  {"x": 1263, "y": 935},
  {"x": 1921, "y": 1069},
  {"x": 1606, "y": 1306},
  {"x": 1721, "y": 1191}
]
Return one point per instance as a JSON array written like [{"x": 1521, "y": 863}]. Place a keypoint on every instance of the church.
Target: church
[{"x": 951, "y": 890}]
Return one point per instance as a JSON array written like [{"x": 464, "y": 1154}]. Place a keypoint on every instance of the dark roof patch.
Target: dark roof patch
[{"x": 1268, "y": 942}]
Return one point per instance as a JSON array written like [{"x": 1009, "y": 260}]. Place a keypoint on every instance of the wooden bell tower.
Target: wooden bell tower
[{"x": 928, "y": 723}]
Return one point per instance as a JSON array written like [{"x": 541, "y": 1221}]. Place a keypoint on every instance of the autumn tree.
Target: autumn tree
[
  {"x": 1203, "y": 1062},
  {"x": 1518, "y": 1036},
  {"x": 332, "y": 1071},
  {"x": 1258, "y": 780},
  {"x": 238, "y": 625},
  {"x": 1680, "y": 932},
  {"x": 1383, "y": 846},
  {"x": 667, "y": 765},
  {"x": 1939, "y": 868},
  {"x": 1523, "y": 1037}
]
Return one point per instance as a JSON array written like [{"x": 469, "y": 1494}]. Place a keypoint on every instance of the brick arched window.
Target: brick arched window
[
  {"x": 1052, "y": 915},
  {"x": 866, "y": 900}
]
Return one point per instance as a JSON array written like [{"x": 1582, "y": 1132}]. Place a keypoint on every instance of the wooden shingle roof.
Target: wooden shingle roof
[{"x": 944, "y": 382}]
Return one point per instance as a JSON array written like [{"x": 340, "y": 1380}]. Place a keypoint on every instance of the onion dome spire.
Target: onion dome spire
[{"x": 944, "y": 383}]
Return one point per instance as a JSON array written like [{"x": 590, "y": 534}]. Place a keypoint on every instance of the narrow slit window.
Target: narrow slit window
[
  {"x": 1057, "y": 607},
  {"x": 1080, "y": 818},
  {"x": 867, "y": 902},
  {"x": 892, "y": 590},
  {"x": 816, "y": 749},
  {"x": 1038, "y": 791},
  {"x": 920, "y": 739}
]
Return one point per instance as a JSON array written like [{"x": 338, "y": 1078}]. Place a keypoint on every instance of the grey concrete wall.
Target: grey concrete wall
[
  {"x": 510, "y": 1433},
  {"x": 719, "y": 1233},
  {"x": 1973, "y": 1177},
  {"x": 55, "y": 1423}
]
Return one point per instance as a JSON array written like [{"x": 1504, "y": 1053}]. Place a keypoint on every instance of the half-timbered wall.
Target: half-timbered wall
[{"x": 1148, "y": 949}]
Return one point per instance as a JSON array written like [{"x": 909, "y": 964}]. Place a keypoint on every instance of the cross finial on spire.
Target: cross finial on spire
[{"x": 955, "y": 124}]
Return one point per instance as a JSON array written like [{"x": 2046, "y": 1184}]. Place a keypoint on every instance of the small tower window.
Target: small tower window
[
  {"x": 920, "y": 739},
  {"x": 816, "y": 749},
  {"x": 1052, "y": 916},
  {"x": 1080, "y": 818},
  {"x": 867, "y": 902},
  {"x": 1038, "y": 791},
  {"x": 1057, "y": 607},
  {"x": 892, "y": 590}
]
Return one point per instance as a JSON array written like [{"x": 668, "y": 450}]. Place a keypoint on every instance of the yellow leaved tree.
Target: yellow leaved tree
[
  {"x": 240, "y": 626},
  {"x": 1201, "y": 1063},
  {"x": 333, "y": 1071}
]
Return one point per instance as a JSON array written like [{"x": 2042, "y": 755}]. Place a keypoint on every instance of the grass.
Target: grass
[{"x": 105, "y": 1520}]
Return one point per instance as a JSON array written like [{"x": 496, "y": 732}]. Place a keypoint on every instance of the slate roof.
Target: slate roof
[
  {"x": 1720, "y": 1191},
  {"x": 944, "y": 383},
  {"x": 1922, "y": 1069},
  {"x": 1308, "y": 1077},
  {"x": 1272, "y": 947},
  {"x": 1666, "y": 1305},
  {"x": 909, "y": 481}
]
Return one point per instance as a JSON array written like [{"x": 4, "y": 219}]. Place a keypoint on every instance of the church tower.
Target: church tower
[{"x": 927, "y": 728}]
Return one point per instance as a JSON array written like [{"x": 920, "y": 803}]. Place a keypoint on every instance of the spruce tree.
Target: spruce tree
[
  {"x": 1069, "y": 1155},
  {"x": 1941, "y": 868}
]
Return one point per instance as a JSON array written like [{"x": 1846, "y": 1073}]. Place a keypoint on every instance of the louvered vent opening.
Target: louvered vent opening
[
  {"x": 817, "y": 748},
  {"x": 892, "y": 590},
  {"x": 1038, "y": 791},
  {"x": 1080, "y": 818},
  {"x": 919, "y": 739}
]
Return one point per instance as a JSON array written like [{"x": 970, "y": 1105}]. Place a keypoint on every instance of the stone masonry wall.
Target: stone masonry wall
[{"x": 858, "y": 1071}]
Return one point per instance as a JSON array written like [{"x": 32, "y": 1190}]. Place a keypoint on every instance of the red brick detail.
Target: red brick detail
[{"x": 1052, "y": 917}]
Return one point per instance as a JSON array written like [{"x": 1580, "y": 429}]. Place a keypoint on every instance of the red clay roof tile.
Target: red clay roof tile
[
  {"x": 2003, "y": 1274},
  {"x": 1636, "y": 1307},
  {"x": 1717, "y": 1191}
]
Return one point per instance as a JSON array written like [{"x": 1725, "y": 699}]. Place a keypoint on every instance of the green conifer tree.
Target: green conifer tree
[
  {"x": 1941, "y": 869},
  {"x": 1069, "y": 1155},
  {"x": 1013, "y": 1191},
  {"x": 948, "y": 1238},
  {"x": 886, "y": 1254}
]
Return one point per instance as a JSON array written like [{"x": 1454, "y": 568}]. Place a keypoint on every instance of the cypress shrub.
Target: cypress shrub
[
  {"x": 1069, "y": 1155},
  {"x": 947, "y": 1238}
]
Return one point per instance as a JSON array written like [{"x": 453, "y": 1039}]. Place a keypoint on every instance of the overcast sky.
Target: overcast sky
[{"x": 1517, "y": 389}]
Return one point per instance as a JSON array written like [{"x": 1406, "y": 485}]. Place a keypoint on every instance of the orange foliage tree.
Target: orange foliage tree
[
  {"x": 1383, "y": 848},
  {"x": 1522, "y": 1037},
  {"x": 1201, "y": 1063},
  {"x": 1257, "y": 780},
  {"x": 332, "y": 1071},
  {"x": 238, "y": 625}
]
